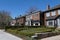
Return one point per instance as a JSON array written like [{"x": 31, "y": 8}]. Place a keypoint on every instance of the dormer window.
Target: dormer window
[
  {"x": 48, "y": 14},
  {"x": 53, "y": 13}
]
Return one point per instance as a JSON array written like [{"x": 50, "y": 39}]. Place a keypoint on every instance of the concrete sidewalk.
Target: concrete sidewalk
[
  {"x": 7, "y": 36},
  {"x": 52, "y": 38}
]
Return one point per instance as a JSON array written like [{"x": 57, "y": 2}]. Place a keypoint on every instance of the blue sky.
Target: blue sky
[{"x": 17, "y": 7}]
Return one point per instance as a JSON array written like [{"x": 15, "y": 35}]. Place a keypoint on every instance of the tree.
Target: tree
[
  {"x": 5, "y": 18},
  {"x": 31, "y": 10}
]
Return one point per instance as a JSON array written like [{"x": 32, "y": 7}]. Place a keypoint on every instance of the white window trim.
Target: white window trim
[
  {"x": 59, "y": 11},
  {"x": 53, "y": 13},
  {"x": 48, "y": 14},
  {"x": 28, "y": 17},
  {"x": 50, "y": 21}
]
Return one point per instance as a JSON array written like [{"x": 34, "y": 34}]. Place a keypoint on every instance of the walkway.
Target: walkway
[
  {"x": 7, "y": 36},
  {"x": 52, "y": 38}
]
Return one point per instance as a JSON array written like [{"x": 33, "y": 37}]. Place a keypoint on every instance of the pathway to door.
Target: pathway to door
[{"x": 7, "y": 36}]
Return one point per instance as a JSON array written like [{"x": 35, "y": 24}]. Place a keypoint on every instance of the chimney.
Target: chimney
[{"x": 48, "y": 7}]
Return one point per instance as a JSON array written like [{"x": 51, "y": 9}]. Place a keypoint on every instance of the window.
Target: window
[
  {"x": 36, "y": 24},
  {"x": 58, "y": 11},
  {"x": 28, "y": 17},
  {"x": 59, "y": 21},
  {"x": 50, "y": 23},
  {"x": 35, "y": 14},
  {"x": 47, "y": 14},
  {"x": 53, "y": 13}
]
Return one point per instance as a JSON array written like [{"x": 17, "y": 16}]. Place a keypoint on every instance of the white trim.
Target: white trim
[
  {"x": 34, "y": 24},
  {"x": 58, "y": 22},
  {"x": 59, "y": 11},
  {"x": 53, "y": 13},
  {"x": 48, "y": 14},
  {"x": 48, "y": 23},
  {"x": 28, "y": 23}
]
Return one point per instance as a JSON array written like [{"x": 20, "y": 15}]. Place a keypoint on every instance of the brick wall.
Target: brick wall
[
  {"x": 36, "y": 16},
  {"x": 21, "y": 20},
  {"x": 50, "y": 15}
]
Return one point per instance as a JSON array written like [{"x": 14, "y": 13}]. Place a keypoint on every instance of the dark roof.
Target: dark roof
[
  {"x": 35, "y": 20},
  {"x": 20, "y": 17},
  {"x": 32, "y": 13},
  {"x": 53, "y": 8},
  {"x": 57, "y": 16},
  {"x": 51, "y": 18},
  {"x": 27, "y": 15},
  {"x": 57, "y": 6}
]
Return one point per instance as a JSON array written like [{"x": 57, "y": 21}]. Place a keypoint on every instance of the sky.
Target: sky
[{"x": 20, "y": 7}]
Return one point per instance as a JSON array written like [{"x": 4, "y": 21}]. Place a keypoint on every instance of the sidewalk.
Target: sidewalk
[
  {"x": 7, "y": 36},
  {"x": 52, "y": 38}
]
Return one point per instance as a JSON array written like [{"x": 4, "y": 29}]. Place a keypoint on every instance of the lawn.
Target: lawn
[{"x": 29, "y": 31}]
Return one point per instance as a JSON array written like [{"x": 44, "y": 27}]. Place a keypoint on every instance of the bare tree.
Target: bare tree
[
  {"x": 31, "y": 10},
  {"x": 4, "y": 18}
]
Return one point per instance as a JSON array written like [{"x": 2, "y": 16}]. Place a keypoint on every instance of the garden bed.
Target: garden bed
[
  {"x": 28, "y": 32},
  {"x": 47, "y": 34}
]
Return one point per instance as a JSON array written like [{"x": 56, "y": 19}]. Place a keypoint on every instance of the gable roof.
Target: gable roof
[
  {"x": 57, "y": 16},
  {"x": 20, "y": 17},
  {"x": 57, "y": 6},
  {"x": 32, "y": 13},
  {"x": 54, "y": 8},
  {"x": 51, "y": 18}
]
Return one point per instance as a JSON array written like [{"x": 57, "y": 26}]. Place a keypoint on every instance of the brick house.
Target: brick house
[
  {"x": 49, "y": 17},
  {"x": 33, "y": 19},
  {"x": 20, "y": 21},
  {"x": 52, "y": 16},
  {"x": 13, "y": 22}
]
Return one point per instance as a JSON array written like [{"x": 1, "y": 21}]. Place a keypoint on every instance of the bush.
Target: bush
[{"x": 30, "y": 31}]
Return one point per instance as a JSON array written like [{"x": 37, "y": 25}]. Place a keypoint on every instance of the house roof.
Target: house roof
[
  {"x": 35, "y": 20},
  {"x": 57, "y": 6},
  {"x": 54, "y": 8},
  {"x": 57, "y": 16},
  {"x": 32, "y": 13},
  {"x": 51, "y": 18},
  {"x": 20, "y": 17}
]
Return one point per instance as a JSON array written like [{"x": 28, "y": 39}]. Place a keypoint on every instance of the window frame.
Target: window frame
[
  {"x": 59, "y": 11},
  {"x": 47, "y": 14},
  {"x": 53, "y": 13},
  {"x": 50, "y": 23}
]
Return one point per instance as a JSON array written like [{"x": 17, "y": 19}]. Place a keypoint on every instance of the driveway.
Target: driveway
[
  {"x": 7, "y": 36},
  {"x": 52, "y": 38}
]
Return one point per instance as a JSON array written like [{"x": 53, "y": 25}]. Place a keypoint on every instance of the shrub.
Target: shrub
[{"x": 29, "y": 31}]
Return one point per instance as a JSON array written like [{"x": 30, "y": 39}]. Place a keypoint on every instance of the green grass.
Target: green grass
[{"x": 29, "y": 31}]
